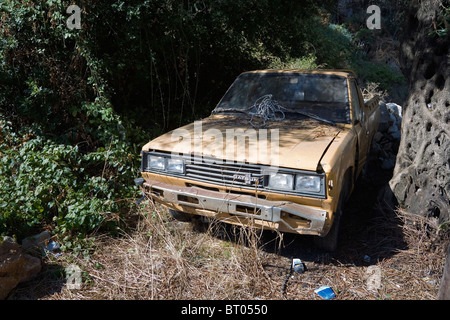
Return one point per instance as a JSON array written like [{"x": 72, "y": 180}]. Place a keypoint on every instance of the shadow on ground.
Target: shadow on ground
[
  {"x": 51, "y": 280},
  {"x": 371, "y": 230}
]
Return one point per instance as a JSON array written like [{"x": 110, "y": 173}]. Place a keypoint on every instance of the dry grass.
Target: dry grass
[
  {"x": 412, "y": 272},
  {"x": 163, "y": 259}
]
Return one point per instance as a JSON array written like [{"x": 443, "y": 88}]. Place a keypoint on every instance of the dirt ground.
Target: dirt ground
[{"x": 383, "y": 255}]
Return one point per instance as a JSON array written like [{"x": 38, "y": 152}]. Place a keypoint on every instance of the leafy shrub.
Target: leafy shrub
[
  {"x": 45, "y": 184},
  {"x": 66, "y": 164},
  {"x": 304, "y": 63},
  {"x": 382, "y": 74},
  {"x": 333, "y": 45}
]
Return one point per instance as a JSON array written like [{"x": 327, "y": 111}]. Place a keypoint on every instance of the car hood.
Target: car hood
[{"x": 298, "y": 144}]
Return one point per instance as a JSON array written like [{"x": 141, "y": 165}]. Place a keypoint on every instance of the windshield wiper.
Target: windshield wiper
[
  {"x": 310, "y": 115},
  {"x": 246, "y": 111},
  {"x": 218, "y": 110}
]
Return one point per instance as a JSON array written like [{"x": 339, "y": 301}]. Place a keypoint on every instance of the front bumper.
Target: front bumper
[{"x": 240, "y": 208}]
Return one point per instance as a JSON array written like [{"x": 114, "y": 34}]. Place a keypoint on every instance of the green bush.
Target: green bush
[
  {"x": 303, "y": 63},
  {"x": 56, "y": 186},
  {"x": 382, "y": 74},
  {"x": 66, "y": 164},
  {"x": 333, "y": 46}
]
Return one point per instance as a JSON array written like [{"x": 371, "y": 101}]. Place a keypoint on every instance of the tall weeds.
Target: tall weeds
[{"x": 166, "y": 259}]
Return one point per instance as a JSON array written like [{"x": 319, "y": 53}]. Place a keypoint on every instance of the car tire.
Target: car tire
[
  {"x": 180, "y": 216},
  {"x": 329, "y": 243}
]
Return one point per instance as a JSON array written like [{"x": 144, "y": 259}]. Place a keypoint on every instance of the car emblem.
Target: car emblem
[{"x": 247, "y": 178}]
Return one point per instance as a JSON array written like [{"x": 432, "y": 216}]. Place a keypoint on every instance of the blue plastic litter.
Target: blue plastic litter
[
  {"x": 52, "y": 246},
  {"x": 325, "y": 292}
]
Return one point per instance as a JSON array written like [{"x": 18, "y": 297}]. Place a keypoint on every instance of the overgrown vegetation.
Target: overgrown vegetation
[
  {"x": 77, "y": 105},
  {"x": 162, "y": 259}
]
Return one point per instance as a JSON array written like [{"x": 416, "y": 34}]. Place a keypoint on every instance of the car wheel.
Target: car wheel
[
  {"x": 330, "y": 242},
  {"x": 180, "y": 216}
]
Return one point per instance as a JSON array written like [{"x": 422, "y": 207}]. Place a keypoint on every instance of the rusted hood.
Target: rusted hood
[{"x": 296, "y": 144}]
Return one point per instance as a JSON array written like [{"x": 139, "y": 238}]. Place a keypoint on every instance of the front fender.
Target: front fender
[{"x": 339, "y": 159}]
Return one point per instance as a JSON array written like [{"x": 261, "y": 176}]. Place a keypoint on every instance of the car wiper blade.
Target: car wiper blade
[
  {"x": 218, "y": 110},
  {"x": 313, "y": 116}
]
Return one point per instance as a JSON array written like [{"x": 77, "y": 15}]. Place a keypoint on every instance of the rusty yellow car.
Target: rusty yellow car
[{"x": 281, "y": 151}]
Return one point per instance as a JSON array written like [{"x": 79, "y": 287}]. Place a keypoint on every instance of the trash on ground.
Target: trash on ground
[
  {"x": 325, "y": 292},
  {"x": 52, "y": 246},
  {"x": 141, "y": 198},
  {"x": 298, "y": 265}
]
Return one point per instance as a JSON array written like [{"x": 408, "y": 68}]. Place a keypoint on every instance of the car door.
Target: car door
[{"x": 359, "y": 123}]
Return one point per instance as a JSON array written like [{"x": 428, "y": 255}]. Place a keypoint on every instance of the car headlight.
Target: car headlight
[
  {"x": 175, "y": 165},
  {"x": 281, "y": 181},
  {"x": 308, "y": 183},
  {"x": 157, "y": 163}
]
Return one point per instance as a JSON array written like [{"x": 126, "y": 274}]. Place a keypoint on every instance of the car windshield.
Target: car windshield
[{"x": 298, "y": 94}]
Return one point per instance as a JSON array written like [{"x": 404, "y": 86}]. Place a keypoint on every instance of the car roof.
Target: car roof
[{"x": 338, "y": 72}]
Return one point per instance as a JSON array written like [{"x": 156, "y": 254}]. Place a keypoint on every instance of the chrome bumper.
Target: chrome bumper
[{"x": 238, "y": 204}]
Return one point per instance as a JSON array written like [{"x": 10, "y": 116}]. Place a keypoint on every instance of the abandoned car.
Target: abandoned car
[{"x": 281, "y": 151}]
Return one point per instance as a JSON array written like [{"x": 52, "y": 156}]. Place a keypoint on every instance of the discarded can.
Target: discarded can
[
  {"x": 298, "y": 265},
  {"x": 325, "y": 292}
]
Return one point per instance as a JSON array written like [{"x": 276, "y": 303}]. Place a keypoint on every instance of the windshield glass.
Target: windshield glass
[{"x": 323, "y": 95}]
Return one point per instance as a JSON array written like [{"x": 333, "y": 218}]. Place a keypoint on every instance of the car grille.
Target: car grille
[
  {"x": 220, "y": 172},
  {"x": 233, "y": 174}
]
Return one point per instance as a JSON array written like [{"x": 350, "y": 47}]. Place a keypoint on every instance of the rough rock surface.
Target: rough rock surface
[
  {"x": 387, "y": 139},
  {"x": 444, "y": 289},
  {"x": 421, "y": 179},
  {"x": 37, "y": 242},
  {"x": 15, "y": 266}
]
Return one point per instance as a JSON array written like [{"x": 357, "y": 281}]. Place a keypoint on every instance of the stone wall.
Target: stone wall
[{"x": 421, "y": 179}]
